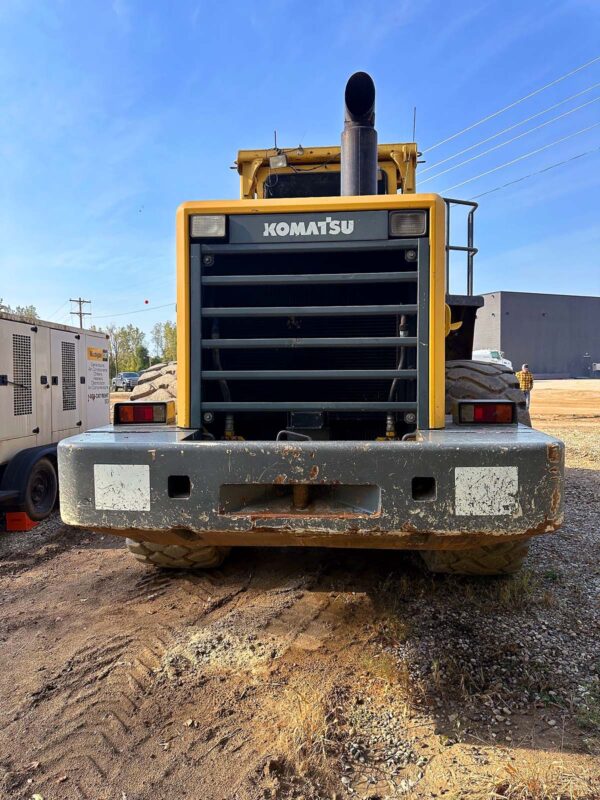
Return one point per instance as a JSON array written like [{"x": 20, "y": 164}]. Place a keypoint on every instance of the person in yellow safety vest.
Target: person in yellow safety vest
[{"x": 525, "y": 378}]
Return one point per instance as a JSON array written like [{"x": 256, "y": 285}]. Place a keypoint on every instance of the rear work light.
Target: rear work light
[
  {"x": 207, "y": 226},
  {"x": 407, "y": 224},
  {"x": 485, "y": 412},
  {"x": 140, "y": 413}
]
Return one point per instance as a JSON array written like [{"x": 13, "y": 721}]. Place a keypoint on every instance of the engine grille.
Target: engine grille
[
  {"x": 23, "y": 399},
  {"x": 278, "y": 329}
]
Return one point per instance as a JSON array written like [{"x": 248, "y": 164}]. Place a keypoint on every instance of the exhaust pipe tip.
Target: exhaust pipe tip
[
  {"x": 359, "y": 138},
  {"x": 359, "y": 98}
]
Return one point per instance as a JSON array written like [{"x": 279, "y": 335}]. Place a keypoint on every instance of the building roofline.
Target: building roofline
[{"x": 543, "y": 294}]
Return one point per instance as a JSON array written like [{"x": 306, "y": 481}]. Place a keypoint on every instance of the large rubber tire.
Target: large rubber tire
[
  {"x": 41, "y": 490},
  {"x": 174, "y": 556},
  {"x": 482, "y": 380},
  {"x": 158, "y": 382},
  {"x": 490, "y": 559}
]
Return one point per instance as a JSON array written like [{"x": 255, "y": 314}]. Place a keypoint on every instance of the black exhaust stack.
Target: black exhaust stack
[{"x": 359, "y": 138}]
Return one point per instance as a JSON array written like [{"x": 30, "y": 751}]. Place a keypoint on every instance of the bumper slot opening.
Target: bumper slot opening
[
  {"x": 179, "y": 486},
  {"x": 424, "y": 489},
  {"x": 300, "y": 499}
]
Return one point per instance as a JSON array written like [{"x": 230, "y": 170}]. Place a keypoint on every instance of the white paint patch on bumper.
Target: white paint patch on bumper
[
  {"x": 122, "y": 487},
  {"x": 486, "y": 491}
]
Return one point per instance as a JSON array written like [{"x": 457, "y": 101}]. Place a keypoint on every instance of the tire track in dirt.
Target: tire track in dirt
[
  {"x": 213, "y": 589},
  {"x": 277, "y": 602},
  {"x": 92, "y": 707},
  {"x": 86, "y": 711},
  {"x": 109, "y": 705},
  {"x": 94, "y": 704}
]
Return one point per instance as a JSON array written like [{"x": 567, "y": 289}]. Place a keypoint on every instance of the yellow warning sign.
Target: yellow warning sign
[{"x": 97, "y": 354}]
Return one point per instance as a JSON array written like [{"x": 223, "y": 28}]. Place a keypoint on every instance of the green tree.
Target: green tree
[
  {"x": 114, "y": 350},
  {"x": 127, "y": 347},
  {"x": 21, "y": 311},
  {"x": 164, "y": 341},
  {"x": 130, "y": 338},
  {"x": 142, "y": 357},
  {"x": 157, "y": 338},
  {"x": 170, "y": 347}
]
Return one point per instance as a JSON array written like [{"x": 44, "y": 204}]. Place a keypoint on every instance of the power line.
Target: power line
[
  {"x": 537, "y": 172},
  {"x": 520, "y": 158},
  {"x": 80, "y": 312},
  {"x": 512, "y": 105},
  {"x": 507, "y": 130},
  {"x": 137, "y": 311},
  {"x": 513, "y": 139},
  {"x": 58, "y": 309}
]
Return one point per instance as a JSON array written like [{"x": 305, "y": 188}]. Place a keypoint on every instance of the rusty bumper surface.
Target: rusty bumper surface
[{"x": 452, "y": 488}]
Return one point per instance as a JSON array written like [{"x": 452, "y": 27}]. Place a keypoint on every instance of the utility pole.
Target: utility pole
[{"x": 81, "y": 313}]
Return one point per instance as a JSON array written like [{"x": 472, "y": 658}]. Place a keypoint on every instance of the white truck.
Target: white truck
[
  {"x": 54, "y": 383},
  {"x": 493, "y": 357}
]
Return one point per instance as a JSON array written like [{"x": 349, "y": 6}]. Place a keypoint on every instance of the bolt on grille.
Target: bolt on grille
[
  {"x": 69, "y": 385},
  {"x": 334, "y": 330},
  {"x": 22, "y": 399}
]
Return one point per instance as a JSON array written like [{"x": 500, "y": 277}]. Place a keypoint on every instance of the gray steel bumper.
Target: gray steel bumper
[{"x": 453, "y": 488}]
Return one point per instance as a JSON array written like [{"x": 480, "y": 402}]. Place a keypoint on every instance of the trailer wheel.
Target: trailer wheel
[
  {"x": 481, "y": 380},
  {"x": 41, "y": 490},
  {"x": 174, "y": 556},
  {"x": 489, "y": 559}
]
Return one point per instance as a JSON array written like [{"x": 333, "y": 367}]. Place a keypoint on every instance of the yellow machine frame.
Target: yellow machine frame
[
  {"x": 437, "y": 240},
  {"x": 398, "y": 161}
]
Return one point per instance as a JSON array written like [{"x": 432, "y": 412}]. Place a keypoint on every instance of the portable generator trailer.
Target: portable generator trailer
[
  {"x": 326, "y": 393},
  {"x": 53, "y": 383}
]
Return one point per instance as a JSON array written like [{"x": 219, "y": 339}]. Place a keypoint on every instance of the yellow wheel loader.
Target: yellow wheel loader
[{"x": 326, "y": 393}]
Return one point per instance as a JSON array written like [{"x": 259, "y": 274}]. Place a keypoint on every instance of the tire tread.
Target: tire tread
[
  {"x": 489, "y": 559},
  {"x": 481, "y": 380},
  {"x": 174, "y": 556}
]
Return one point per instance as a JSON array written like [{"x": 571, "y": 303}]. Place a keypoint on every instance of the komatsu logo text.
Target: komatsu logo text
[{"x": 326, "y": 227}]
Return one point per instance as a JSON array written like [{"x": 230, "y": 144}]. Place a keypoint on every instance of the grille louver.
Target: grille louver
[
  {"x": 23, "y": 400},
  {"x": 69, "y": 383},
  {"x": 317, "y": 330}
]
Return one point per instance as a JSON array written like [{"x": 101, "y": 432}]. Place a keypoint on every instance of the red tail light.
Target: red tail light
[
  {"x": 485, "y": 412},
  {"x": 139, "y": 413}
]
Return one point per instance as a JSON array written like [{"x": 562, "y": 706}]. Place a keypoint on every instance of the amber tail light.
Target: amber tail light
[
  {"x": 140, "y": 413},
  {"x": 485, "y": 412}
]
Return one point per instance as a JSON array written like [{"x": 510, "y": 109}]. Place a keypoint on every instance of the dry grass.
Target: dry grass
[
  {"x": 390, "y": 621},
  {"x": 394, "y": 629},
  {"x": 544, "y": 782},
  {"x": 383, "y": 666},
  {"x": 506, "y": 593},
  {"x": 516, "y": 592},
  {"x": 305, "y": 738},
  {"x": 392, "y": 670},
  {"x": 450, "y": 677},
  {"x": 394, "y": 674}
]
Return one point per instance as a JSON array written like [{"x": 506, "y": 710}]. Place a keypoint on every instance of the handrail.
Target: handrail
[{"x": 470, "y": 249}]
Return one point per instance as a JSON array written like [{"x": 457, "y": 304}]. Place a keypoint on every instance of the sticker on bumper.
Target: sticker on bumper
[
  {"x": 486, "y": 491},
  {"x": 122, "y": 487}
]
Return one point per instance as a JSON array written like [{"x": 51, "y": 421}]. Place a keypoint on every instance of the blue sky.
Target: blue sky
[{"x": 112, "y": 113}]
